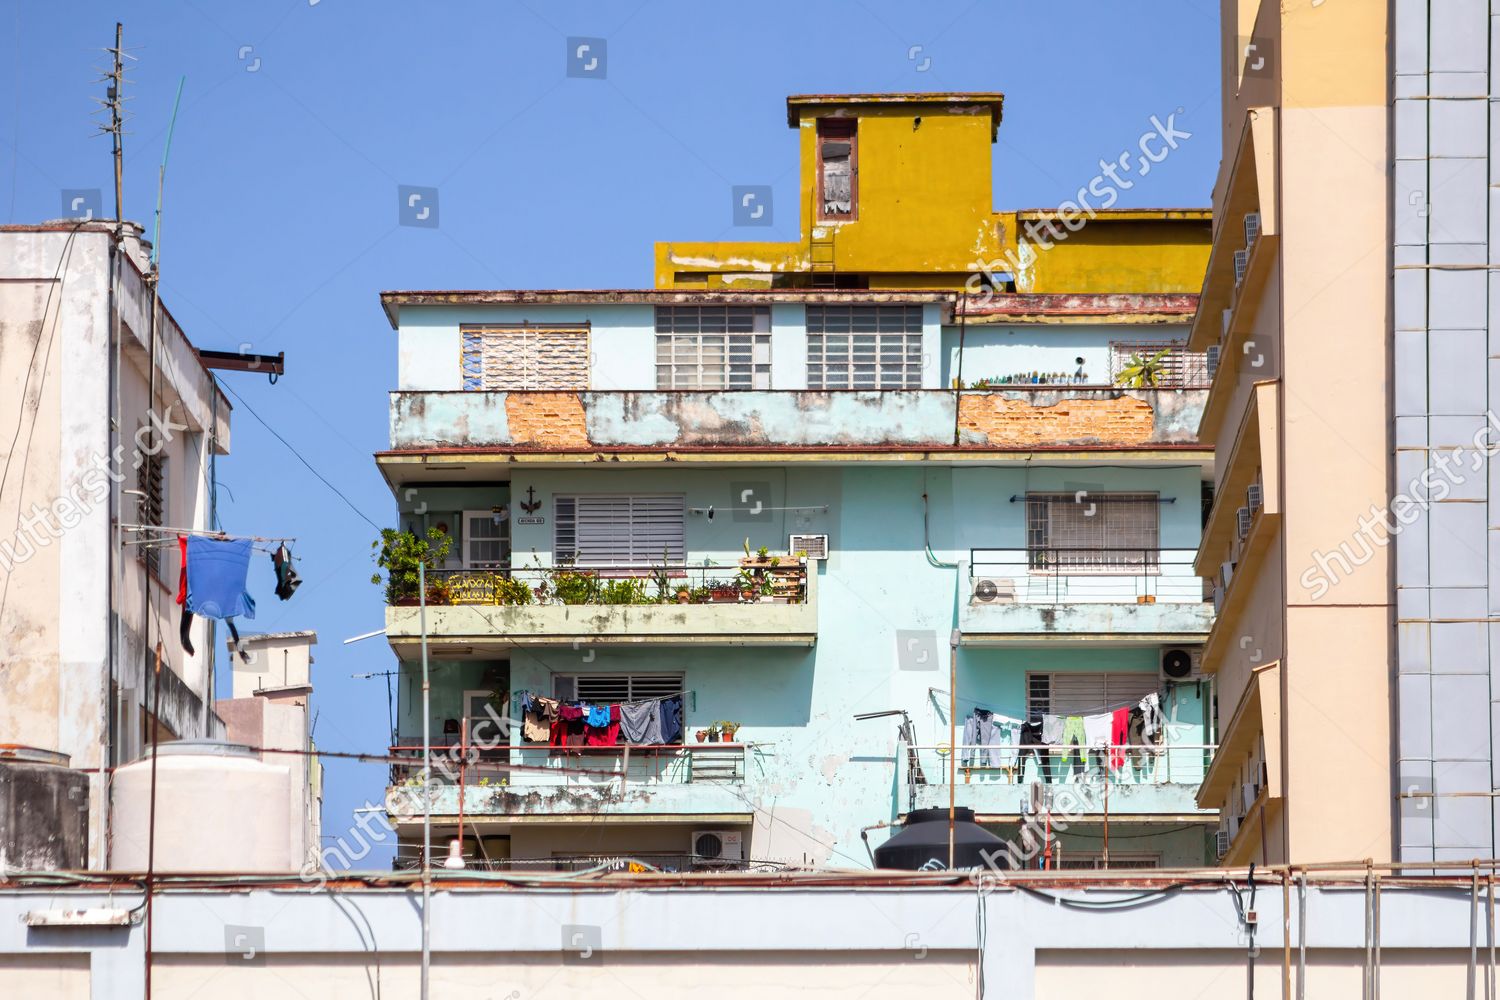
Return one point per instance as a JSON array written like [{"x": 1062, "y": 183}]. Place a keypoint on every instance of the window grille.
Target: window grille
[
  {"x": 713, "y": 347},
  {"x": 602, "y": 530},
  {"x": 1181, "y": 368},
  {"x": 864, "y": 347},
  {"x": 1076, "y": 693},
  {"x": 1102, "y": 532},
  {"x": 502, "y": 358},
  {"x": 616, "y": 688}
]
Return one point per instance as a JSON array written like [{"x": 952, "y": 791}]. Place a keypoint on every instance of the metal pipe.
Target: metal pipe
[
  {"x": 1489, "y": 972},
  {"x": 952, "y": 726},
  {"x": 1302, "y": 936},
  {"x": 1366, "y": 990},
  {"x": 1286, "y": 934},
  {"x": 426, "y": 782},
  {"x": 1470, "y": 983}
]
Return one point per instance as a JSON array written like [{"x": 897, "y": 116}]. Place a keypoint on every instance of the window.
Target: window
[
  {"x": 615, "y": 688},
  {"x": 486, "y": 540},
  {"x": 864, "y": 347},
  {"x": 1099, "y": 532},
  {"x": 1074, "y": 693},
  {"x": 151, "y": 481},
  {"x": 525, "y": 357},
  {"x": 1181, "y": 368},
  {"x": 603, "y": 530},
  {"x": 713, "y": 347},
  {"x": 838, "y": 169}
]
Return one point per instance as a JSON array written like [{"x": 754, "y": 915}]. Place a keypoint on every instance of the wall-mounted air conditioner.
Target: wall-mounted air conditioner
[
  {"x": 1253, "y": 497},
  {"x": 1248, "y": 793},
  {"x": 711, "y": 848},
  {"x": 1211, "y": 359},
  {"x": 1252, "y": 228},
  {"x": 1241, "y": 265},
  {"x": 1222, "y": 840},
  {"x": 993, "y": 590},
  {"x": 816, "y": 546},
  {"x": 1179, "y": 664},
  {"x": 1226, "y": 573},
  {"x": 1242, "y": 522}
]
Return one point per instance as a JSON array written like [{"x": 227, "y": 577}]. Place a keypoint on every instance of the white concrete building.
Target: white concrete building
[{"x": 86, "y": 453}]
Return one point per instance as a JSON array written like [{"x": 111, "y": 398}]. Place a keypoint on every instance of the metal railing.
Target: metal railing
[
  {"x": 786, "y": 581},
  {"x": 1013, "y": 764},
  {"x": 535, "y": 764},
  {"x": 1098, "y": 574},
  {"x": 410, "y": 859}
]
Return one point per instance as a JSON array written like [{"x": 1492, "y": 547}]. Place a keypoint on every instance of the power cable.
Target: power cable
[{"x": 321, "y": 478}]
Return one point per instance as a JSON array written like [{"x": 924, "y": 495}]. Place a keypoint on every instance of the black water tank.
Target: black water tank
[
  {"x": 44, "y": 811},
  {"x": 922, "y": 844}
]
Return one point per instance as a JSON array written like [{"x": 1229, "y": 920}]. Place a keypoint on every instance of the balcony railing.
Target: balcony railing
[
  {"x": 998, "y": 780},
  {"x": 1083, "y": 574},
  {"x": 1140, "y": 764},
  {"x": 534, "y": 764},
  {"x": 774, "y": 580},
  {"x": 410, "y": 859}
]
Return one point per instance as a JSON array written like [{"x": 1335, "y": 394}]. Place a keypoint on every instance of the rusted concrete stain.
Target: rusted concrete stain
[{"x": 917, "y": 418}]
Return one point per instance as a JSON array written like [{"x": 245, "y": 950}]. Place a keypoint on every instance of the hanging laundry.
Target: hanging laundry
[
  {"x": 185, "y": 626},
  {"x": 1007, "y": 737},
  {"x": 1031, "y": 740},
  {"x": 671, "y": 719},
  {"x": 537, "y": 714},
  {"x": 607, "y": 735},
  {"x": 216, "y": 572},
  {"x": 1119, "y": 736},
  {"x": 598, "y": 715},
  {"x": 1052, "y": 729},
  {"x": 287, "y": 580},
  {"x": 1153, "y": 720},
  {"x": 640, "y": 722},
  {"x": 568, "y": 729},
  {"x": 1075, "y": 741},
  {"x": 1096, "y": 729}
]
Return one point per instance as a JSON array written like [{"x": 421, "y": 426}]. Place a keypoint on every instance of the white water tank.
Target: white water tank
[{"x": 219, "y": 808}]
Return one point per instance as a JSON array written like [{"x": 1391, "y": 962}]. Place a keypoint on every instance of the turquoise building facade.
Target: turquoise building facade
[{"x": 1017, "y": 548}]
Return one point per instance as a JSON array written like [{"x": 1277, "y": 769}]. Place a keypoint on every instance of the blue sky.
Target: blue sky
[{"x": 300, "y": 118}]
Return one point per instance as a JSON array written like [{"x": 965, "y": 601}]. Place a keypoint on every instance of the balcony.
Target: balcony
[
  {"x": 1021, "y": 596},
  {"x": 1153, "y": 781},
  {"x": 759, "y": 603},
  {"x": 526, "y": 425},
  {"x": 521, "y": 784}
]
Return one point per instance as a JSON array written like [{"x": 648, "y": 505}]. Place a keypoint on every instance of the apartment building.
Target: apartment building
[
  {"x": 785, "y": 515},
  {"x": 88, "y": 455}
]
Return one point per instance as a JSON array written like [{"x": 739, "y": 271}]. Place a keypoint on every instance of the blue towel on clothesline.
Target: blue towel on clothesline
[{"x": 216, "y": 574}]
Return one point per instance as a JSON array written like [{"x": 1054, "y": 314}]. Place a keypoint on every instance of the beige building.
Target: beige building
[
  {"x": 92, "y": 456},
  {"x": 1296, "y": 307},
  {"x": 269, "y": 710}
]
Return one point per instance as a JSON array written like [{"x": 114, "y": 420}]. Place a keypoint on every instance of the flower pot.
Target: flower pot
[
  {"x": 702, "y": 735},
  {"x": 683, "y": 597},
  {"x": 713, "y": 737}
]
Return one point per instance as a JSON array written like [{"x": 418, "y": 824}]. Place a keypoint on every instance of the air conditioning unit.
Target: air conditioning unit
[
  {"x": 993, "y": 590},
  {"x": 1211, "y": 359},
  {"x": 1252, "y": 228},
  {"x": 712, "y": 848},
  {"x": 1178, "y": 664},
  {"x": 1242, "y": 522},
  {"x": 816, "y": 546},
  {"x": 1248, "y": 793},
  {"x": 1241, "y": 265},
  {"x": 1253, "y": 497},
  {"x": 1226, "y": 573},
  {"x": 1222, "y": 840}
]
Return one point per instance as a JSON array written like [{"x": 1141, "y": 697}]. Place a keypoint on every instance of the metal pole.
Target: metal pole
[
  {"x": 426, "y": 782},
  {"x": 952, "y": 738}
]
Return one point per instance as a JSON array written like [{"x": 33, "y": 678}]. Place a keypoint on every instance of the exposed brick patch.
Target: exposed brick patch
[
  {"x": 546, "y": 420},
  {"x": 998, "y": 421}
]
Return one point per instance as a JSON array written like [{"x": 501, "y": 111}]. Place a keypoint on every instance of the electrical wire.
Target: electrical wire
[{"x": 321, "y": 478}]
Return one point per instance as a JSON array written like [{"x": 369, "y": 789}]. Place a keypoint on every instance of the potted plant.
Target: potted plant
[
  {"x": 713, "y": 733},
  {"x": 1144, "y": 372},
  {"x": 702, "y": 735},
  {"x": 402, "y": 554},
  {"x": 728, "y": 729},
  {"x": 684, "y": 595}
]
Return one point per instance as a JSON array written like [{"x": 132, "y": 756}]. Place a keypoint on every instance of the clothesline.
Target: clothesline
[
  {"x": 1008, "y": 718},
  {"x": 205, "y": 532}
]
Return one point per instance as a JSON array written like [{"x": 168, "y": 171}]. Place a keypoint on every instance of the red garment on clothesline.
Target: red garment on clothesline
[{"x": 1119, "y": 736}]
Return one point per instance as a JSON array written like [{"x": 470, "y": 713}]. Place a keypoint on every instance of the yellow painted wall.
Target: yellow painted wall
[{"x": 925, "y": 220}]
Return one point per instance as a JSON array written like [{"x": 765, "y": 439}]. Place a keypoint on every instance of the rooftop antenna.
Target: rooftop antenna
[
  {"x": 161, "y": 177},
  {"x": 114, "y": 102}
]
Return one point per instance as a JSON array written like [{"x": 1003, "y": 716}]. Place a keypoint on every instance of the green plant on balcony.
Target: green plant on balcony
[
  {"x": 629, "y": 591},
  {"x": 575, "y": 587},
  {"x": 1144, "y": 372},
  {"x": 727, "y": 729},
  {"x": 511, "y": 591},
  {"x": 402, "y": 555}
]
